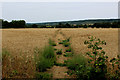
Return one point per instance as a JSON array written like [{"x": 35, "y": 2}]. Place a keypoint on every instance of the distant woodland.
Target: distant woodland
[{"x": 103, "y": 23}]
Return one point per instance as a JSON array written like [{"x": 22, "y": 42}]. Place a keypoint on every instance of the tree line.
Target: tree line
[
  {"x": 67, "y": 25},
  {"x": 14, "y": 24},
  {"x": 23, "y": 24}
]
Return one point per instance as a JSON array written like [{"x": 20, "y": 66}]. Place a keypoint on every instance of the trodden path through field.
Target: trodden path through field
[{"x": 59, "y": 71}]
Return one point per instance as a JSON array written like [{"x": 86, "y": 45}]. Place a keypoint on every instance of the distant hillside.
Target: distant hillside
[
  {"x": 78, "y": 22},
  {"x": 98, "y": 23}
]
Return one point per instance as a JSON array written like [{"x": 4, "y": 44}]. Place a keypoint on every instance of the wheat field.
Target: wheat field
[{"x": 22, "y": 42}]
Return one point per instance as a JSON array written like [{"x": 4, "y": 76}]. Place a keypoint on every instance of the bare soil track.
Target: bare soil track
[{"x": 59, "y": 71}]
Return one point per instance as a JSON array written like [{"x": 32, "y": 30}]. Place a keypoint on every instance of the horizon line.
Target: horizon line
[{"x": 72, "y": 20}]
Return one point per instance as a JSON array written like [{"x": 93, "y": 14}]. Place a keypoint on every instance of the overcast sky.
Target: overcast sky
[{"x": 58, "y": 11}]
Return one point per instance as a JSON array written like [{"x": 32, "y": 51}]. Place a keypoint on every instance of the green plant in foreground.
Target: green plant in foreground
[
  {"x": 55, "y": 49},
  {"x": 115, "y": 68},
  {"x": 52, "y": 43},
  {"x": 60, "y": 64},
  {"x": 66, "y": 44},
  {"x": 93, "y": 68},
  {"x": 60, "y": 42},
  {"x": 65, "y": 41},
  {"x": 97, "y": 58},
  {"x": 69, "y": 50},
  {"x": 5, "y": 54},
  {"x": 44, "y": 58},
  {"x": 14, "y": 73},
  {"x": 48, "y": 52},
  {"x": 68, "y": 54},
  {"x": 5, "y": 57},
  {"x": 43, "y": 76},
  {"x": 78, "y": 65},
  {"x": 59, "y": 51}
]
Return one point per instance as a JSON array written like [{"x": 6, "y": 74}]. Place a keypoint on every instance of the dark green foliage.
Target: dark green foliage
[
  {"x": 5, "y": 24},
  {"x": 59, "y": 51},
  {"x": 48, "y": 52},
  {"x": 97, "y": 58},
  {"x": 95, "y": 67},
  {"x": 44, "y": 58},
  {"x": 44, "y": 64},
  {"x": 66, "y": 25},
  {"x": 14, "y": 24},
  {"x": 55, "y": 49},
  {"x": 115, "y": 67},
  {"x": 60, "y": 64},
  {"x": 14, "y": 73},
  {"x": 34, "y": 26},
  {"x": 98, "y": 61},
  {"x": 78, "y": 65},
  {"x": 60, "y": 42},
  {"x": 104, "y": 23},
  {"x": 52, "y": 43},
  {"x": 76, "y": 61},
  {"x": 68, "y": 54},
  {"x": 68, "y": 50},
  {"x": 65, "y": 41},
  {"x": 43, "y": 76},
  {"x": 66, "y": 44}
]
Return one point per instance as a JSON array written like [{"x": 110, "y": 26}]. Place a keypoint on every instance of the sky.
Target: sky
[
  {"x": 58, "y": 11},
  {"x": 59, "y": 0}
]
